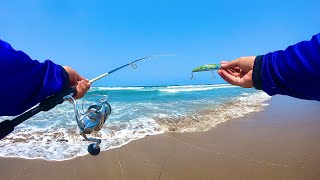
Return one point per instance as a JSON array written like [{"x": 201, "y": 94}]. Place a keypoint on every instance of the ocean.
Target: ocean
[{"x": 137, "y": 112}]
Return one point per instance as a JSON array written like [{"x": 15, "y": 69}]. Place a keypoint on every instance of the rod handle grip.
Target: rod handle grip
[{"x": 6, "y": 127}]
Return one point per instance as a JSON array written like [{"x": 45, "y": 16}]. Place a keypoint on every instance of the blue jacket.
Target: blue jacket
[
  {"x": 26, "y": 82},
  {"x": 294, "y": 71}
]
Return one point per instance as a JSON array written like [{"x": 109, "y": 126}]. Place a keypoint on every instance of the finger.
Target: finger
[
  {"x": 230, "y": 78},
  {"x": 233, "y": 72},
  {"x": 219, "y": 72},
  {"x": 81, "y": 89},
  {"x": 230, "y": 65},
  {"x": 237, "y": 69},
  {"x": 79, "y": 92},
  {"x": 82, "y": 85},
  {"x": 87, "y": 85},
  {"x": 225, "y": 78},
  {"x": 222, "y": 76}
]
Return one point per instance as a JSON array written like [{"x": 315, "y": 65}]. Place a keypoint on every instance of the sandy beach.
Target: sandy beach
[{"x": 280, "y": 142}]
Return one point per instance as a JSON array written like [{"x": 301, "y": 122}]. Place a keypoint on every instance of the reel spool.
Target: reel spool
[{"x": 91, "y": 120}]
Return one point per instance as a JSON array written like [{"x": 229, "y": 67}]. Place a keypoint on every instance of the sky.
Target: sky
[{"x": 94, "y": 37}]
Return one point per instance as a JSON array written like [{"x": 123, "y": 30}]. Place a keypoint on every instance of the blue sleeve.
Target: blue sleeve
[
  {"x": 293, "y": 72},
  {"x": 26, "y": 82}
]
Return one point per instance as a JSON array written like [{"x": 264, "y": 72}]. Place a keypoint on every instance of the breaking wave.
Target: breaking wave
[{"x": 136, "y": 112}]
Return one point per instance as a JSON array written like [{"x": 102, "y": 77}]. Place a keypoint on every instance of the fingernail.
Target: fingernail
[{"x": 223, "y": 63}]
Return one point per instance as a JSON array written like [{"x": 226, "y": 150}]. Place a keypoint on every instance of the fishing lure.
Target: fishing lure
[{"x": 207, "y": 67}]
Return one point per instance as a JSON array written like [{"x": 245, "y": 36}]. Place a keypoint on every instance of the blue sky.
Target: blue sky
[{"x": 96, "y": 36}]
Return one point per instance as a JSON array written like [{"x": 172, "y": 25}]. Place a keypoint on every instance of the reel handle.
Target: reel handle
[{"x": 7, "y": 126}]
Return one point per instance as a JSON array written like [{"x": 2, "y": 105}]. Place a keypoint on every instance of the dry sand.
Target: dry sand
[{"x": 281, "y": 142}]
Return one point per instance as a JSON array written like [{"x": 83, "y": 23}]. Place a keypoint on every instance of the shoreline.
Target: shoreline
[
  {"x": 279, "y": 142},
  {"x": 65, "y": 143}
]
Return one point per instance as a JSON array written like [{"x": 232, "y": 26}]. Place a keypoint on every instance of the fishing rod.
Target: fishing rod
[
  {"x": 116, "y": 69},
  {"x": 91, "y": 120},
  {"x": 132, "y": 64}
]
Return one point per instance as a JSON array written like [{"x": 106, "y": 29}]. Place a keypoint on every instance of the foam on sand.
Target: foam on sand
[{"x": 205, "y": 120}]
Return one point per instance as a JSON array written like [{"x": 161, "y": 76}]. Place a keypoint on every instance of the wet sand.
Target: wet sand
[{"x": 280, "y": 142}]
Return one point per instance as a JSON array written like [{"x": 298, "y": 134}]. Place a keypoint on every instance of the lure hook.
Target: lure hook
[
  {"x": 207, "y": 67},
  {"x": 213, "y": 76},
  {"x": 192, "y": 77}
]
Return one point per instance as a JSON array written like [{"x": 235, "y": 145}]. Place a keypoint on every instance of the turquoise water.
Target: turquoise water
[{"x": 136, "y": 113}]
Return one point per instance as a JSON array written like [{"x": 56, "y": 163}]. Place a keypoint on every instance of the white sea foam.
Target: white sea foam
[
  {"x": 115, "y": 88},
  {"x": 65, "y": 144},
  {"x": 171, "y": 89},
  {"x": 176, "y": 89},
  {"x": 201, "y": 85},
  {"x": 207, "y": 119},
  {"x": 53, "y": 135}
]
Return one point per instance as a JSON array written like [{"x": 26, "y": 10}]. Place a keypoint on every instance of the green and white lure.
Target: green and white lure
[{"x": 207, "y": 67}]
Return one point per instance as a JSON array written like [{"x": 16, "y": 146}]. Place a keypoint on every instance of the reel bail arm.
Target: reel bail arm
[{"x": 91, "y": 120}]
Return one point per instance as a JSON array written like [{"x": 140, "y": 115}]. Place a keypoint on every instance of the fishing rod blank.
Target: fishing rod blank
[
  {"x": 114, "y": 70},
  {"x": 128, "y": 64}
]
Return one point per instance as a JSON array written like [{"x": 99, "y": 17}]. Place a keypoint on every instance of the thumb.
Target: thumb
[{"x": 230, "y": 65}]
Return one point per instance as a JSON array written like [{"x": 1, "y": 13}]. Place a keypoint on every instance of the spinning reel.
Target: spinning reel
[{"x": 91, "y": 120}]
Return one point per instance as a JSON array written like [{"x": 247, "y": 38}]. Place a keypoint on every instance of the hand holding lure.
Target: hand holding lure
[
  {"x": 207, "y": 67},
  {"x": 91, "y": 120}
]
